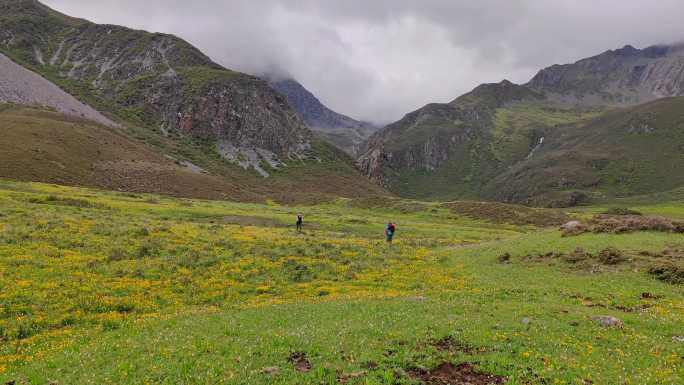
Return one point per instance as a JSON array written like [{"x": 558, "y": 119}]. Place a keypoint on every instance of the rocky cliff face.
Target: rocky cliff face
[
  {"x": 340, "y": 130},
  {"x": 155, "y": 80},
  {"x": 626, "y": 76},
  {"x": 450, "y": 142}
]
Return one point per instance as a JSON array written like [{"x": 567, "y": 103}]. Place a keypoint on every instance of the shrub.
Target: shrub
[
  {"x": 577, "y": 255},
  {"x": 147, "y": 249},
  {"x": 611, "y": 256},
  {"x": 504, "y": 258},
  {"x": 622, "y": 211},
  {"x": 117, "y": 254},
  {"x": 123, "y": 307},
  {"x": 141, "y": 232},
  {"x": 668, "y": 272}
]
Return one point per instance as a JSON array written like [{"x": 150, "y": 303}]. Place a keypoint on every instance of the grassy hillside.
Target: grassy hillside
[
  {"x": 452, "y": 151},
  {"x": 45, "y": 146},
  {"x": 626, "y": 152},
  {"x": 113, "y": 288},
  {"x": 484, "y": 144},
  {"x": 531, "y": 152}
]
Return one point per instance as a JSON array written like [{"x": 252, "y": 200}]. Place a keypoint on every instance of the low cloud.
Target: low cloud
[{"x": 377, "y": 60}]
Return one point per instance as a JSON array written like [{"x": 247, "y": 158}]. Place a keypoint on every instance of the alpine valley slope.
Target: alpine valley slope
[
  {"x": 170, "y": 97},
  {"x": 340, "y": 130},
  {"x": 512, "y": 142}
]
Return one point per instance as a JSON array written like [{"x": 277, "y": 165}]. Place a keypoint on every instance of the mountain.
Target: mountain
[
  {"x": 340, "y": 130},
  {"x": 154, "y": 80},
  {"x": 626, "y": 76},
  {"x": 167, "y": 95},
  {"x": 472, "y": 147},
  {"x": 629, "y": 151}
]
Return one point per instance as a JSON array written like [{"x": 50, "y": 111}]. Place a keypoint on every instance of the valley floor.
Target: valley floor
[{"x": 116, "y": 288}]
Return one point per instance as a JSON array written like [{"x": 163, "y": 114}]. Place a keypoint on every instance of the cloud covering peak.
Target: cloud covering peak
[{"x": 376, "y": 60}]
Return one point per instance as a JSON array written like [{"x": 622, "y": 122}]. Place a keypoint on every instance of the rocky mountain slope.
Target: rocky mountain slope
[
  {"x": 169, "y": 97},
  {"x": 625, "y": 76},
  {"x": 45, "y": 146},
  {"x": 155, "y": 80},
  {"x": 469, "y": 147},
  {"x": 21, "y": 86},
  {"x": 340, "y": 130}
]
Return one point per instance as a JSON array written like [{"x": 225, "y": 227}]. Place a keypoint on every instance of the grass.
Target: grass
[
  {"x": 607, "y": 157},
  {"x": 518, "y": 128},
  {"x": 121, "y": 288},
  {"x": 197, "y": 79}
]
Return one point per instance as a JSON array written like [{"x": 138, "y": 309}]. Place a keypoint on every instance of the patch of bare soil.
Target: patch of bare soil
[
  {"x": 512, "y": 214},
  {"x": 300, "y": 361},
  {"x": 451, "y": 344},
  {"x": 619, "y": 224},
  {"x": 462, "y": 374}
]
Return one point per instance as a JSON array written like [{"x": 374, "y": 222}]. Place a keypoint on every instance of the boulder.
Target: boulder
[
  {"x": 608, "y": 321},
  {"x": 573, "y": 228}
]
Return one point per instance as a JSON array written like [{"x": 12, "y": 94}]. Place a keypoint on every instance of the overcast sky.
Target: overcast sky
[{"x": 380, "y": 59}]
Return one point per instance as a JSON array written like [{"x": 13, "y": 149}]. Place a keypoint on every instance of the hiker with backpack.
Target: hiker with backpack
[
  {"x": 389, "y": 232},
  {"x": 300, "y": 222}
]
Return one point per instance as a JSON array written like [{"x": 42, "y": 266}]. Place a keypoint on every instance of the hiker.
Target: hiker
[
  {"x": 389, "y": 232},
  {"x": 300, "y": 222}
]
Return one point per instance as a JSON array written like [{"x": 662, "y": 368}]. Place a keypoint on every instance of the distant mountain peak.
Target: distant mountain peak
[
  {"x": 341, "y": 130},
  {"x": 625, "y": 76},
  {"x": 314, "y": 113}
]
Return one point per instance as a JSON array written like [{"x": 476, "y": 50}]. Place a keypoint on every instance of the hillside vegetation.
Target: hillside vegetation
[
  {"x": 46, "y": 146},
  {"x": 630, "y": 151},
  {"x": 113, "y": 288},
  {"x": 496, "y": 141}
]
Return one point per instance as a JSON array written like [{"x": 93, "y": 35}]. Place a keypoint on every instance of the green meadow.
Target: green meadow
[{"x": 118, "y": 288}]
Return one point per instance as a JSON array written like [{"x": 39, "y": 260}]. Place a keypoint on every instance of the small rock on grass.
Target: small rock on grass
[
  {"x": 608, "y": 321},
  {"x": 573, "y": 228},
  {"x": 526, "y": 322}
]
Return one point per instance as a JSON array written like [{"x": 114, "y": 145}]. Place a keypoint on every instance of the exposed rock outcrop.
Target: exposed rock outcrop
[
  {"x": 449, "y": 138},
  {"x": 625, "y": 76}
]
